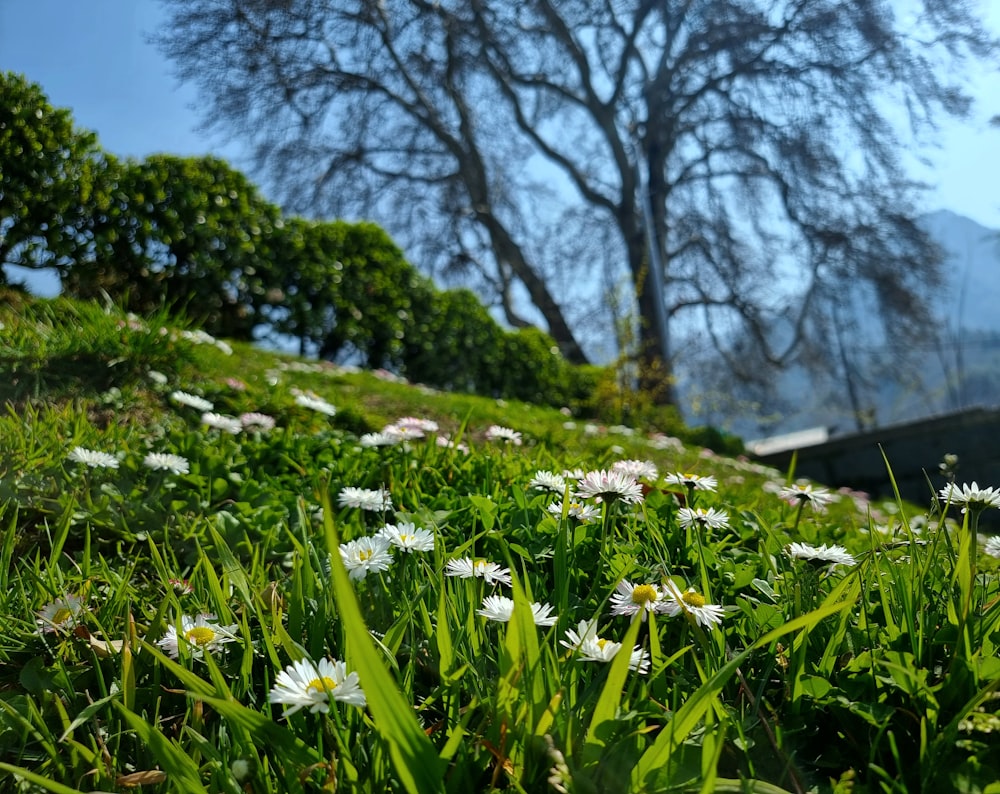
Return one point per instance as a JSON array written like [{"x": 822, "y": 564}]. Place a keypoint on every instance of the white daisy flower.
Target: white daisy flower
[
  {"x": 200, "y": 633},
  {"x": 381, "y": 439},
  {"x": 640, "y": 469},
  {"x": 306, "y": 685},
  {"x": 501, "y": 609},
  {"x": 970, "y": 496},
  {"x": 191, "y": 401},
  {"x": 165, "y": 461},
  {"x": 992, "y": 546},
  {"x": 198, "y": 337},
  {"x": 315, "y": 403},
  {"x": 661, "y": 441},
  {"x": 694, "y": 482},
  {"x": 804, "y": 493},
  {"x": 61, "y": 615},
  {"x": 581, "y": 511},
  {"x": 402, "y": 434},
  {"x": 691, "y": 603},
  {"x": 610, "y": 486},
  {"x": 630, "y": 599},
  {"x": 592, "y": 648},
  {"x": 366, "y": 555},
  {"x": 703, "y": 518},
  {"x": 257, "y": 421},
  {"x": 410, "y": 427},
  {"x": 548, "y": 481},
  {"x": 407, "y": 537},
  {"x": 374, "y": 500},
  {"x": 426, "y": 425},
  {"x": 836, "y": 555},
  {"x": 505, "y": 434},
  {"x": 448, "y": 443},
  {"x": 466, "y": 568},
  {"x": 93, "y": 458},
  {"x": 227, "y": 424}
]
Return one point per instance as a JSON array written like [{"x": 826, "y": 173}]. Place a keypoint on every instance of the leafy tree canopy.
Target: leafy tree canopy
[
  {"x": 48, "y": 175},
  {"x": 191, "y": 232},
  {"x": 736, "y": 162}
]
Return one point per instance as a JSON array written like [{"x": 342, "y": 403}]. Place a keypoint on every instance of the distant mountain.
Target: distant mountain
[
  {"x": 960, "y": 369},
  {"x": 972, "y": 270}
]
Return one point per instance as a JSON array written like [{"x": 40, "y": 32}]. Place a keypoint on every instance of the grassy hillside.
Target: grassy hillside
[{"x": 221, "y": 572}]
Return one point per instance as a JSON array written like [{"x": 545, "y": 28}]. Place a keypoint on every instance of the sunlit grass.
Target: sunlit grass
[{"x": 878, "y": 672}]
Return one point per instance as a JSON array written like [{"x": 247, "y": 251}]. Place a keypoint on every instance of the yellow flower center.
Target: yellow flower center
[
  {"x": 61, "y": 616},
  {"x": 323, "y": 684},
  {"x": 643, "y": 593},
  {"x": 693, "y": 599},
  {"x": 199, "y": 635},
  {"x": 406, "y": 538},
  {"x": 364, "y": 555},
  {"x": 601, "y": 642}
]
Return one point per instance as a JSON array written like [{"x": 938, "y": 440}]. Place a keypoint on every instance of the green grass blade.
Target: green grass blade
[
  {"x": 182, "y": 772},
  {"x": 687, "y": 717},
  {"x": 38, "y": 780},
  {"x": 414, "y": 757},
  {"x": 611, "y": 694}
]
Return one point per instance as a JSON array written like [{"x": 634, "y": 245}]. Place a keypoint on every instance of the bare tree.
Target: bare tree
[{"x": 741, "y": 159}]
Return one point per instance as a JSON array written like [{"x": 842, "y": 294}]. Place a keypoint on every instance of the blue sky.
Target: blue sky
[{"x": 93, "y": 58}]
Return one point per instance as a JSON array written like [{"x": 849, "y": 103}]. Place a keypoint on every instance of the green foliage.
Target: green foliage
[
  {"x": 454, "y": 344},
  {"x": 345, "y": 287},
  {"x": 48, "y": 175},
  {"x": 187, "y": 233},
  {"x": 879, "y": 675},
  {"x": 69, "y": 348}
]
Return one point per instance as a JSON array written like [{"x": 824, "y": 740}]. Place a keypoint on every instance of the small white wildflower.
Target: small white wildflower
[
  {"x": 505, "y": 434},
  {"x": 501, "y": 609},
  {"x": 407, "y": 537},
  {"x": 694, "y": 482},
  {"x": 466, "y": 568},
  {"x": 381, "y": 439},
  {"x": 592, "y": 648},
  {"x": 191, "y": 401},
  {"x": 836, "y": 555},
  {"x": 315, "y": 403},
  {"x": 374, "y": 500},
  {"x": 580, "y": 511},
  {"x": 366, "y": 555},
  {"x": 262, "y": 423},
  {"x": 704, "y": 518},
  {"x": 61, "y": 615},
  {"x": 690, "y": 603},
  {"x": 306, "y": 685},
  {"x": 548, "y": 481},
  {"x": 200, "y": 633},
  {"x": 630, "y": 599},
  {"x": 610, "y": 486},
  {"x": 227, "y": 424},
  {"x": 639, "y": 469},
  {"x": 93, "y": 458},
  {"x": 165, "y": 461},
  {"x": 804, "y": 493},
  {"x": 970, "y": 496}
]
